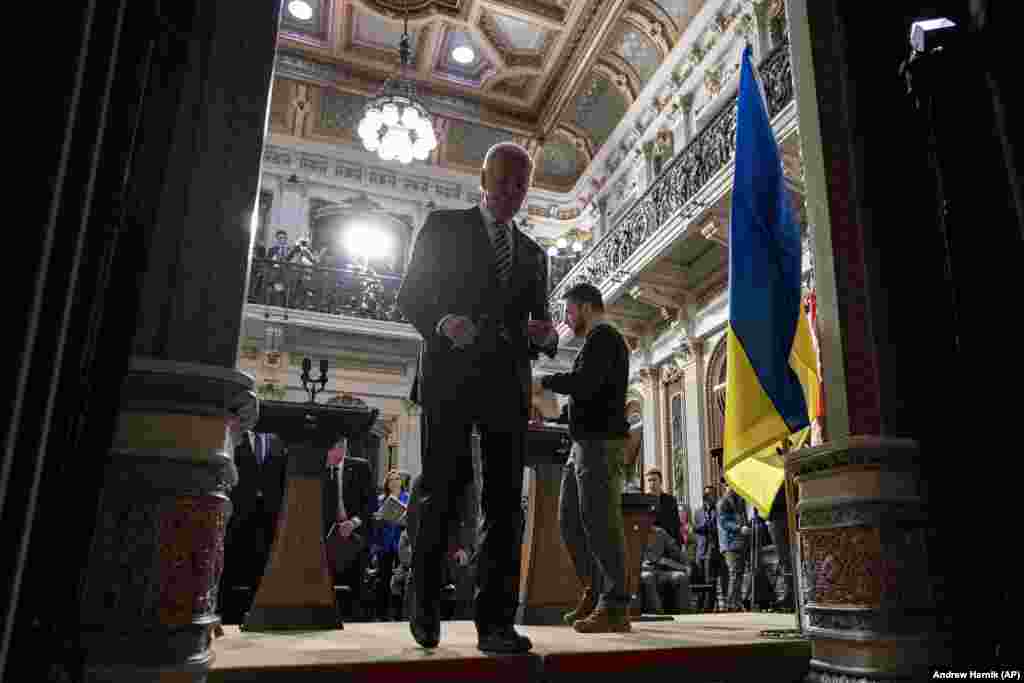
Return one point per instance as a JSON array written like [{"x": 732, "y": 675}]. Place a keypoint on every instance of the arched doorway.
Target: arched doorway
[{"x": 714, "y": 387}]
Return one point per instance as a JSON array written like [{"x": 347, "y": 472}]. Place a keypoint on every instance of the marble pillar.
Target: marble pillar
[
  {"x": 878, "y": 493},
  {"x": 410, "y": 454},
  {"x": 149, "y": 597},
  {"x": 601, "y": 226},
  {"x": 693, "y": 426},
  {"x": 650, "y": 426},
  {"x": 293, "y": 215}
]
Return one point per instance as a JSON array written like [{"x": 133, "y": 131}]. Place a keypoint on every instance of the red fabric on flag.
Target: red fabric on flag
[
  {"x": 812, "y": 300},
  {"x": 335, "y": 456}
]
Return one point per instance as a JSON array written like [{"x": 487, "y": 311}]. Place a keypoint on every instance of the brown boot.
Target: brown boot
[
  {"x": 605, "y": 620},
  {"x": 583, "y": 609}
]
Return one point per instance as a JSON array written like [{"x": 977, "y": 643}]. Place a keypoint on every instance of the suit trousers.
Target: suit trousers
[{"x": 483, "y": 390}]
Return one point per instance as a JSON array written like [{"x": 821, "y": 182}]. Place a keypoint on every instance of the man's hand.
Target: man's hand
[
  {"x": 460, "y": 330},
  {"x": 461, "y": 556},
  {"x": 346, "y": 528},
  {"x": 540, "y": 331}
]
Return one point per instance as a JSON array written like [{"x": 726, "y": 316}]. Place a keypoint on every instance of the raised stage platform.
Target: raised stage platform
[{"x": 698, "y": 648}]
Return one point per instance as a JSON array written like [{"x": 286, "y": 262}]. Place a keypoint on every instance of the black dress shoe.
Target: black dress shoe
[
  {"x": 427, "y": 632},
  {"x": 503, "y": 640},
  {"x": 424, "y": 623}
]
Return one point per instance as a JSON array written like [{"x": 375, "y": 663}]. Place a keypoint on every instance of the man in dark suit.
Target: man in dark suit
[
  {"x": 473, "y": 283},
  {"x": 667, "y": 512},
  {"x": 255, "y": 505},
  {"x": 347, "y": 495}
]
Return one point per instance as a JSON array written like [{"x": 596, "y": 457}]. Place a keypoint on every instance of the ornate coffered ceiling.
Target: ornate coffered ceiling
[{"x": 556, "y": 75}]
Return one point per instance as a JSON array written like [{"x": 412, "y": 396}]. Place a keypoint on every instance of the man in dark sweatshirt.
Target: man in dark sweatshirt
[{"x": 590, "y": 512}]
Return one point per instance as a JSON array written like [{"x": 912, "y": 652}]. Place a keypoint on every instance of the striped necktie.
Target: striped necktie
[{"x": 502, "y": 252}]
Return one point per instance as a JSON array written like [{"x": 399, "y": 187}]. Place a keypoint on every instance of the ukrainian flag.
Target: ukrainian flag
[{"x": 771, "y": 372}]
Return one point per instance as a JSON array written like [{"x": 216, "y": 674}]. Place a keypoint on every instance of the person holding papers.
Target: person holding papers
[{"x": 386, "y": 533}]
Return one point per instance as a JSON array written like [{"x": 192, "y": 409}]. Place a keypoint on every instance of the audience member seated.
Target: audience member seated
[
  {"x": 664, "y": 572},
  {"x": 347, "y": 493},
  {"x": 667, "y": 507},
  {"x": 458, "y": 577}
]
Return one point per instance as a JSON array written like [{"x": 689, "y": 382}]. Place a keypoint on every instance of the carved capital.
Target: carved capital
[
  {"x": 648, "y": 149},
  {"x": 714, "y": 232},
  {"x": 670, "y": 372}
]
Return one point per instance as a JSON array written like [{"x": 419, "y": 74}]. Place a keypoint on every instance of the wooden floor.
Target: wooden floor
[{"x": 703, "y": 647}]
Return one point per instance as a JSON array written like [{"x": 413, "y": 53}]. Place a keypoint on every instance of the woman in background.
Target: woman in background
[{"x": 385, "y": 544}]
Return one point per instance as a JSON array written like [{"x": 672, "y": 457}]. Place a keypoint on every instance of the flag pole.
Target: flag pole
[{"x": 792, "y": 498}]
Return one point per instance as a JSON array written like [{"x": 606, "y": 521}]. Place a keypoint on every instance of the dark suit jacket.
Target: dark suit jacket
[
  {"x": 259, "y": 488},
  {"x": 357, "y": 489},
  {"x": 453, "y": 270},
  {"x": 668, "y": 516},
  {"x": 705, "y": 525}
]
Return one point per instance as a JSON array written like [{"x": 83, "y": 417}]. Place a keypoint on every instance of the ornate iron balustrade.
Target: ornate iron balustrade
[
  {"x": 709, "y": 152},
  {"x": 352, "y": 291}
]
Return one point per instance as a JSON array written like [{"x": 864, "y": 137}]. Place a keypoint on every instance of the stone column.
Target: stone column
[
  {"x": 601, "y": 227},
  {"x": 294, "y": 211},
  {"x": 149, "y": 592},
  {"x": 409, "y": 454},
  {"x": 693, "y": 396},
  {"x": 652, "y": 425},
  {"x": 272, "y": 184},
  {"x": 868, "y": 499},
  {"x": 685, "y": 128}
]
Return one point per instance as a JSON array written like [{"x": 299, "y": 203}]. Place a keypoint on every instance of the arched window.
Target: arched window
[{"x": 714, "y": 384}]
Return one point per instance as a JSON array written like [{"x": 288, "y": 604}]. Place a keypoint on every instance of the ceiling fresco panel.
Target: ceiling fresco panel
[
  {"x": 598, "y": 108},
  {"x": 466, "y": 144},
  {"x": 560, "y": 164},
  {"x": 472, "y": 74},
  {"x": 372, "y": 32},
  {"x": 681, "y": 11},
  {"x": 315, "y": 28},
  {"x": 339, "y": 111},
  {"x": 518, "y": 34},
  {"x": 640, "y": 52}
]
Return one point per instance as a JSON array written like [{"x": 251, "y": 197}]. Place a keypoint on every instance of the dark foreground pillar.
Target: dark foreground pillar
[{"x": 150, "y": 581}]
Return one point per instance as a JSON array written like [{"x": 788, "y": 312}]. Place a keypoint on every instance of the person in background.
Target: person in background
[
  {"x": 667, "y": 507},
  {"x": 455, "y": 564},
  {"x": 384, "y": 548},
  {"x": 347, "y": 491},
  {"x": 664, "y": 572},
  {"x": 732, "y": 538},
  {"x": 279, "y": 250},
  {"x": 709, "y": 557},
  {"x": 590, "y": 507}
]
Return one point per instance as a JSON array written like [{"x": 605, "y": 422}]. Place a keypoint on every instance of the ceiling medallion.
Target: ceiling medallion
[
  {"x": 300, "y": 9},
  {"x": 463, "y": 54},
  {"x": 395, "y": 124}
]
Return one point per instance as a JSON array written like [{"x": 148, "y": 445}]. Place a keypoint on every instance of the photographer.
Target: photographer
[{"x": 733, "y": 532}]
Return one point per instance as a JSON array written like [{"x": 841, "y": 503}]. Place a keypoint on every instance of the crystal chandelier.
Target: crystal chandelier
[{"x": 394, "y": 124}]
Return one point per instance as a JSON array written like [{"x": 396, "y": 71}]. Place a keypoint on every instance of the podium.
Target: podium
[
  {"x": 638, "y": 515},
  {"x": 548, "y": 586},
  {"x": 297, "y": 590}
]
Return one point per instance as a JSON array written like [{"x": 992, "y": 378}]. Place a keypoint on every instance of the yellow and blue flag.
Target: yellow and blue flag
[{"x": 771, "y": 373}]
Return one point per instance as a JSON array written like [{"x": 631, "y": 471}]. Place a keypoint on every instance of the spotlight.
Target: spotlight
[{"x": 931, "y": 34}]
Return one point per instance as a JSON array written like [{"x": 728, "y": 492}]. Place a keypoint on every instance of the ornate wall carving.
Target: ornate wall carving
[{"x": 710, "y": 151}]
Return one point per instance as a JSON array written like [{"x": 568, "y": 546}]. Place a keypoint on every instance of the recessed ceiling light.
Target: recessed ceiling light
[
  {"x": 463, "y": 54},
  {"x": 300, "y": 9}
]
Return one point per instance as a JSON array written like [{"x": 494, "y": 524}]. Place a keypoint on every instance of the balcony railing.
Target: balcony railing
[
  {"x": 353, "y": 291},
  {"x": 709, "y": 152}
]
